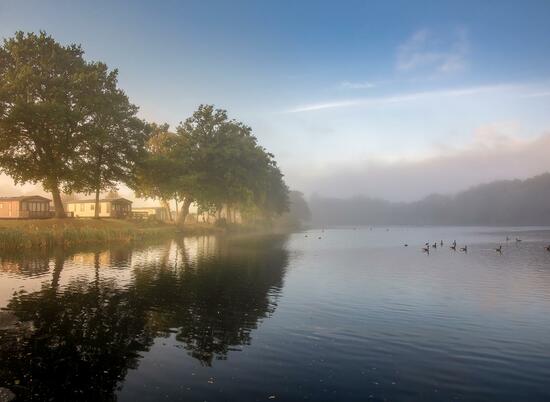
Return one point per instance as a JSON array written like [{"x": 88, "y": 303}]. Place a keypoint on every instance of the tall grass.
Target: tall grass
[{"x": 72, "y": 232}]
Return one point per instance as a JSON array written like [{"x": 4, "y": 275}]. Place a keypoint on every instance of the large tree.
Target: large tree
[
  {"x": 213, "y": 151},
  {"x": 159, "y": 170},
  {"x": 115, "y": 138},
  {"x": 225, "y": 166},
  {"x": 63, "y": 122},
  {"x": 42, "y": 89},
  {"x": 214, "y": 162}
]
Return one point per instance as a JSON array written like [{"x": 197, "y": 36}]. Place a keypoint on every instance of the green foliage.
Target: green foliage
[
  {"x": 114, "y": 137},
  {"x": 158, "y": 171},
  {"x": 229, "y": 167},
  {"x": 63, "y": 121},
  {"x": 43, "y": 89}
]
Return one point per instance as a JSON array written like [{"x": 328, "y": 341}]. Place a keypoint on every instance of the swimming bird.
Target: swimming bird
[
  {"x": 441, "y": 243},
  {"x": 499, "y": 249},
  {"x": 518, "y": 240},
  {"x": 454, "y": 243},
  {"x": 435, "y": 245},
  {"x": 507, "y": 238},
  {"x": 453, "y": 247},
  {"x": 547, "y": 248},
  {"x": 426, "y": 250},
  {"x": 465, "y": 249},
  {"x": 305, "y": 236},
  {"x": 319, "y": 237},
  {"x": 406, "y": 245}
]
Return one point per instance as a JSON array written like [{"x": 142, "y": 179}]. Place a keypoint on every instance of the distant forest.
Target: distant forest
[{"x": 506, "y": 202}]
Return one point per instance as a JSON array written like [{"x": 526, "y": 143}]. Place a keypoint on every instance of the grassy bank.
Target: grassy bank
[
  {"x": 68, "y": 233},
  {"x": 24, "y": 234}
]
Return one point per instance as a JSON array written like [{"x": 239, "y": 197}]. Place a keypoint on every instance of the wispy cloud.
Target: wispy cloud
[
  {"x": 425, "y": 50},
  {"x": 536, "y": 95},
  {"x": 357, "y": 85},
  {"x": 398, "y": 98}
]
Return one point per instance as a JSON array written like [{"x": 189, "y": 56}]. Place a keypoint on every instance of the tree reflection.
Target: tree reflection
[{"x": 77, "y": 341}]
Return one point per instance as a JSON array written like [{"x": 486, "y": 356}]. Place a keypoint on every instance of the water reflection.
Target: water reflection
[{"x": 89, "y": 322}]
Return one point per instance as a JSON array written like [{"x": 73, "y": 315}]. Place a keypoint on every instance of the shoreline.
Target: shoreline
[
  {"x": 20, "y": 235},
  {"x": 70, "y": 232}
]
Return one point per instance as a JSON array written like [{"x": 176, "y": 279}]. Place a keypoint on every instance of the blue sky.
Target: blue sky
[{"x": 351, "y": 96}]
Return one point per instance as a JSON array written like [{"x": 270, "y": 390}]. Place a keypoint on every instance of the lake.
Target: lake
[{"x": 341, "y": 314}]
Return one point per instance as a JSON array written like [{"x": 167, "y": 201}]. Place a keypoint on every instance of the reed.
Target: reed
[{"x": 26, "y": 234}]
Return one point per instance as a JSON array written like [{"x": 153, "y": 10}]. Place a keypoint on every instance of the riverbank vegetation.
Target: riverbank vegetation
[
  {"x": 65, "y": 124},
  {"x": 35, "y": 233}
]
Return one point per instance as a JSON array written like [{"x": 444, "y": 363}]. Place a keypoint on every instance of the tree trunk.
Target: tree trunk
[
  {"x": 184, "y": 211},
  {"x": 166, "y": 206},
  {"x": 98, "y": 186},
  {"x": 57, "y": 203},
  {"x": 96, "y": 211}
]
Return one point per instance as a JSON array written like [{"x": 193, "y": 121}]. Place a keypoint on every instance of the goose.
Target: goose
[
  {"x": 499, "y": 249},
  {"x": 465, "y": 249},
  {"x": 454, "y": 243},
  {"x": 518, "y": 240},
  {"x": 426, "y": 250},
  {"x": 435, "y": 245},
  {"x": 453, "y": 247},
  {"x": 441, "y": 243}
]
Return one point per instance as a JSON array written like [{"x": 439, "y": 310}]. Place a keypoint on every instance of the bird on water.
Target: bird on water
[
  {"x": 499, "y": 249},
  {"x": 465, "y": 249}
]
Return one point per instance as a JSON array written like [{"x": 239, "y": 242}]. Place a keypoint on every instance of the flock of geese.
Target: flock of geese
[{"x": 427, "y": 246}]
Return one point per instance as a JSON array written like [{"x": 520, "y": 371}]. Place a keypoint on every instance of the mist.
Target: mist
[{"x": 490, "y": 156}]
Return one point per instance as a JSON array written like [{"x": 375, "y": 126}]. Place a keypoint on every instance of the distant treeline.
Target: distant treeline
[{"x": 507, "y": 202}]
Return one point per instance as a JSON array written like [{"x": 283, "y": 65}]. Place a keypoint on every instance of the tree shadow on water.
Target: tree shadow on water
[{"x": 78, "y": 341}]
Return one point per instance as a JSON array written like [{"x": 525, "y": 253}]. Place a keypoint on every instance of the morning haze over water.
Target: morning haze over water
[{"x": 263, "y": 201}]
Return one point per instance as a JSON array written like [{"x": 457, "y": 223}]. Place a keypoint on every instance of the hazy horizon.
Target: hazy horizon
[{"x": 349, "y": 101}]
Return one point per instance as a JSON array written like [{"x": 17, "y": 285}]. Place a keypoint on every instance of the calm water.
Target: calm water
[{"x": 352, "y": 316}]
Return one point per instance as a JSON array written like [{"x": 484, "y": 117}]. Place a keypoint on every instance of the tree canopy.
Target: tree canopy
[
  {"x": 63, "y": 121},
  {"x": 214, "y": 162}
]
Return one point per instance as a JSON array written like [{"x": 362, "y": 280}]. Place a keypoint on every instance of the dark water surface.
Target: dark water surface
[{"x": 352, "y": 316}]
